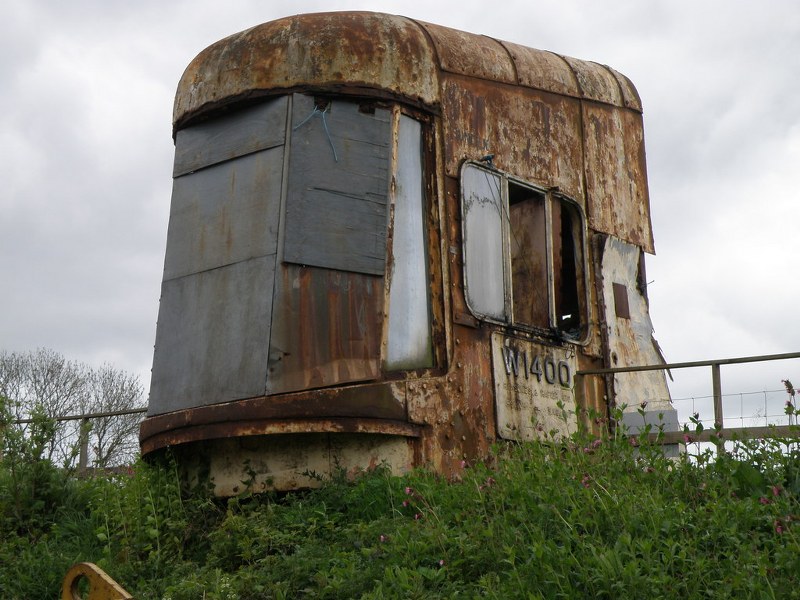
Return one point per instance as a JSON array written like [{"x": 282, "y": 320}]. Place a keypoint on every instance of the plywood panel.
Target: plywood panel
[
  {"x": 211, "y": 342},
  {"x": 336, "y": 209},
  {"x": 245, "y": 131},
  {"x": 224, "y": 214}
]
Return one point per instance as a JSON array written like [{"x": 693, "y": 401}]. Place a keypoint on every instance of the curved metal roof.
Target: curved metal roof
[{"x": 393, "y": 55}]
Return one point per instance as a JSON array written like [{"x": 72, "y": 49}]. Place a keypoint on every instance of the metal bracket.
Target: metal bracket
[{"x": 101, "y": 586}]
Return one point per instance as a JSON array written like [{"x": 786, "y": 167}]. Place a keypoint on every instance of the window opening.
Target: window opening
[
  {"x": 566, "y": 268},
  {"x": 528, "y": 250},
  {"x": 523, "y": 253}
]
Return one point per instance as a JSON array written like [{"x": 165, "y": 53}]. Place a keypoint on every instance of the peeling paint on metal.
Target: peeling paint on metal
[{"x": 630, "y": 340}]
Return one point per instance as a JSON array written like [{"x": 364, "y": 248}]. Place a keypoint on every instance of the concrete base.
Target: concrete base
[{"x": 288, "y": 462}]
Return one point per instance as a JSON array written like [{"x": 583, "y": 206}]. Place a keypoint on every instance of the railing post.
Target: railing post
[
  {"x": 716, "y": 384},
  {"x": 83, "y": 460}
]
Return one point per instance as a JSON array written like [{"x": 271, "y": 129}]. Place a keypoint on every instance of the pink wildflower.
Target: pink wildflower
[
  {"x": 634, "y": 441},
  {"x": 405, "y": 503},
  {"x": 586, "y": 481},
  {"x": 417, "y": 516},
  {"x": 409, "y": 491},
  {"x": 687, "y": 439},
  {"x": 764, "y": 500},
  {"x": 383, "y": 538},
  {"x": 441, "y": 562},
  {"x": 778, "y": 526},
  {"x": 776, "y": 490},
  {"x": 597, "y": 443}
]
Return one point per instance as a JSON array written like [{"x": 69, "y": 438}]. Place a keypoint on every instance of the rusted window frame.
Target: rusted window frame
[{"x": 551, "y": 196}]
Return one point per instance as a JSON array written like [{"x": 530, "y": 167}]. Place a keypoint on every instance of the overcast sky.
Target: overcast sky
[{"x": 86, "y": 91}]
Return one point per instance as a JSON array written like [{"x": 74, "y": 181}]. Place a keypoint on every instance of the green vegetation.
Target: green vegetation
[{"x": 587, "y": 518}]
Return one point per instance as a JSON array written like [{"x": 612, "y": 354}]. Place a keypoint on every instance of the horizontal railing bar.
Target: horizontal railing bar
[
  {"x": 725, "y": 435},
  {"x": 684, "y": 365},
  {"x": 95, "y": 415}
]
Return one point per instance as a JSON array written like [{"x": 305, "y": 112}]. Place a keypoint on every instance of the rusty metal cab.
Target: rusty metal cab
[{"x": 393, "y": 242}]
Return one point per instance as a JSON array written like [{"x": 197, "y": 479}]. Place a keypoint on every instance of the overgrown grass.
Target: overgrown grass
[{"x": 583, "y": 519}]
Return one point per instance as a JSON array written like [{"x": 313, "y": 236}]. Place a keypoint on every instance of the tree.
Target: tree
[{"x": 45, "y": 384}]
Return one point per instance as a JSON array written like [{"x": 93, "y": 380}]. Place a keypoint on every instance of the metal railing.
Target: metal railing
[
  {"x": 719, "y": 431},
  {"x": 83, "y": 456}
]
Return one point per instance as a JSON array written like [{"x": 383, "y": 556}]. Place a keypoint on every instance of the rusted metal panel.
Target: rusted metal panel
[
  {"x": 616, "y": 175},
  {"x": 326, "y": 328},
  {"x": 630, "y": 94},
  {"x": 211, "y": 340},
  {"x": 630, "y": 340},
  {"x": 472, "y": 55},
  {"x": 373, "y": 401},
  {"x": 266, "y": 427},
  {"x": 225, "y": 214},
  {"x": 533, "y": 392},
  {"x": 352, "y": 51},
  {"x": 543, "y": 70},
  {"x": 534, "y": 135},
  {"x": 456, "y": 410},
  {"x": 349, "y": 49},
  {"x": 247, "y": 130},
  {"x": 591, "y": 396},
  {"x": 337, "y": 203}
]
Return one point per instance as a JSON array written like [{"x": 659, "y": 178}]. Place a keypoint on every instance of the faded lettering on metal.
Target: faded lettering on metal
[{"x": 533, "y": 389}]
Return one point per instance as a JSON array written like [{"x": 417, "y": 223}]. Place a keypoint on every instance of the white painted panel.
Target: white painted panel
[
  {"x": 630, "y": 340},
  {"x": 533, "y": 386},
  {"x": 409, "y": 338}
]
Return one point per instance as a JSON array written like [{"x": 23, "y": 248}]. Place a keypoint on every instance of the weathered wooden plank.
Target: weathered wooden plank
[{"x": 248, "y": 130}]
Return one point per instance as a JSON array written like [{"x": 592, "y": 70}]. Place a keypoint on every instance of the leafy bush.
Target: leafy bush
[{"x": 600, "y": 518}]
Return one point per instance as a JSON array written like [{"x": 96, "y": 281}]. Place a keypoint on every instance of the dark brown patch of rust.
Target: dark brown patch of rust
[
  {"x": 453, "y": 203},
  {"x": 330, "y": 316}
]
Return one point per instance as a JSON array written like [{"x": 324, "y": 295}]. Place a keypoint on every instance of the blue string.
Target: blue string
[{"x": 324, "y": 124}]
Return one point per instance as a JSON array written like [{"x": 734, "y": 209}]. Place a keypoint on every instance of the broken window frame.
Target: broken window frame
[{"x": 485, "y": 303}]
